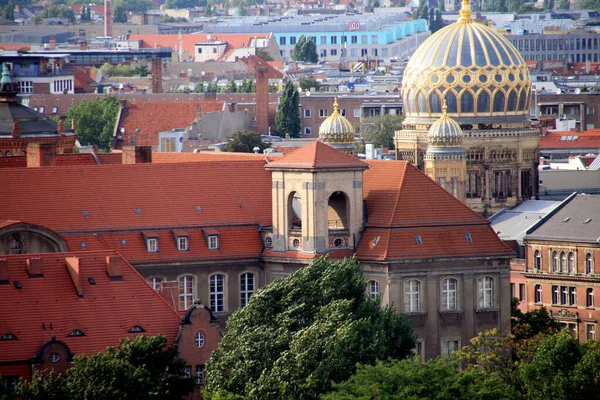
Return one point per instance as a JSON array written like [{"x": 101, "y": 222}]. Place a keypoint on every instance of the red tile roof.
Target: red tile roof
[
  {"x": 62, "y": 160},
  {"x": 317, "y": 155},
  {"x": 49, "y": 306},
  {"x": 161, "y": 158},
  {"x": 589, "y": 139},
  {"x": 145, "y": 120}
]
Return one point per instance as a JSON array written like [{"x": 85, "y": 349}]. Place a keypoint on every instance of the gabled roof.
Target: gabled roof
[
  {"x": 514, "y": 223},
  {"x": 317, "y": 155},
  {"x": 49, "y": 306}
]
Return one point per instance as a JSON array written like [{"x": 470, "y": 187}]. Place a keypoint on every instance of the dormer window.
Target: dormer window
[
  {"x": 76, "y": 332},
  {"x": 136, "y": 329},
  {"x": 9, "y": 336},
  {"x": 181, "y": 240},
  {"x": 151, "y": 240},
  {"x": 213, "y": 242}
]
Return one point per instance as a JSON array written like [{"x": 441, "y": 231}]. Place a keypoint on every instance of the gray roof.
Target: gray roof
[
  {"x": 513, "y": 224},
  {"x": 576, "y": 220},
  {"x": 595, "y": 164},
  {"x": 30, "y": 122}
]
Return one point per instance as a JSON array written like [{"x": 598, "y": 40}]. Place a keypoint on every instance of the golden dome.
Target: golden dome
[
  {"x": 476, "y": 70},
  {"x": 336, "y": 128},
  {"x": 445, "y": 132}
]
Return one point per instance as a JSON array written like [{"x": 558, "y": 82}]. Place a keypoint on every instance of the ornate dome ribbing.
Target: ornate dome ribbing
[
  {"x": 336, "y": 129},
  {"x": 476, "y": 70},
  {"x": 445, "y": 132}
]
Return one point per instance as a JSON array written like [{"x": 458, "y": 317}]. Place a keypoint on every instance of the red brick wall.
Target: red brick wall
[{"x": 262, "y": 100}]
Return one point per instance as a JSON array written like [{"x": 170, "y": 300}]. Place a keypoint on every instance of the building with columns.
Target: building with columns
[{"x": 487, "y": 87}]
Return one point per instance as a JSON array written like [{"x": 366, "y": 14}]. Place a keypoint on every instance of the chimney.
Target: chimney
[
  {"x": 137, "y": 154},
  {"x": 3, "y": 270},
  {"x": 75, "y": 273},
  {"x": 16, "y": 130},
  {"x": 170, "y": 292},
  {"x": 73, "y": 125},
  {"x": 34, "y": 267},
  {"x": 61, "y": 127},
  {"x": 52, "y": 43},
  {"x": 41, "y": 155},
  {"x": 262, "y": 100},
  {"x": 114, "y": 268},
  {"x": 107, "y": 19},
  {"x": 156, "y": 69}
]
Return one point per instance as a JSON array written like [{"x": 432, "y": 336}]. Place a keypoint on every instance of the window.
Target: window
[
  {"x": 155, "y": 282},
  {"x": 363, "y": 39},
  {"x": 449, "y": 346},
  {"x": 420, "y": 349},
  {"x": 15, "y": 245},
  {"x": 8, "y": 336},
  {"x": 199, "y": 374},
  {"x": 199, "y": 340},
  {"x": 555, "y": 262},
  {"x": 374, "y": 39},
  {"x": 589, "y": 297},
  {"x": 199, "y": 50},
  {"x": 333, "y": 52},
  {"x": 571, "y": 262},
  {"x": 54, "y": 110},
  {"x": 449, "y": 288},
  {"x": 333, "y": 39},
  {"x": 589, "y": 264},
  {"x": 468, "y": 237},
  {"x": 246, "y": 288},
  {"x": 590, "y": 332},
  {"x": 306, "y": 113},
  {"x": 323, "y": 112},
  {"x": 152, "y": 244},
  {"x": 182, "y": 243},
  {"x": 187, "y": 372},
  {"x": 555, "y": 294},
  {"x": 563, "y": 262},
  {"x": 418, "y": 239},
  {"x": 54, "y": 357},
  {"x": 217, "y": 297},
  {"x": 354, "y": 39},
  {"x": 412, "y": 296},
  {"x": 42, "y": 109},
  {"x": 521, "y": 291},
  {"x": 308, "y": 130},
  {"x": 373, "y": 289},
  {"x": 292, "y": 40},
  {"x": 538, "y": 294},
  {"x": 214, "y": 50},
  {"x": 10, "y": 383},
  {"x": 213, "y": 242},
  {"x": 357, "y": 113},
  {"x": 537, "y": 260},
  {"x": 25, "y": 87},
  {"x": 136, "y": 329},
  {"x": 186, "y": 292},
  {"x": 282, "y": 40},
  {"x": 323, "y": 53},
  {"x": 590, "y": 111},
  {"x": 572, "y": 296},
  {"x": 512, "y": 290},
  {"x": 485, "y": 295}
]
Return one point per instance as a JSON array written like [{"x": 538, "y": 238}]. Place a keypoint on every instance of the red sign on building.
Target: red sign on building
[{"x": 354, "y": 25}]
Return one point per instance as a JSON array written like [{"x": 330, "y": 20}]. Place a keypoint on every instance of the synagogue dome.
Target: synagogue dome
[
  {"x": 476, "y": 70},
  {"x": 336, "y": 129},
  {"x": 445, "y": 132}
]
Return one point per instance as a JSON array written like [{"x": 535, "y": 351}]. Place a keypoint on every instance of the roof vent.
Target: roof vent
[
  {"x": 468, "y": 237},
  {"x": 587, "y": 221},
  {"x": 566, "y": 219},
  {"x": 17, "y": 284},
  {"x": 83, "y": 245},
  {"x": 198, "y": 208},
  {"x": 91, "y": 280},
  {"x": 8, "y": 336},
  {"x": 76, "y": 332}
]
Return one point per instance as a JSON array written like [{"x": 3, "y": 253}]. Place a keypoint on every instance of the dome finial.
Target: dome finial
[
  {"x": 335, "y": 105},
  {"x": 444, "y": 108},
  {"x": 465, "y": 12}
]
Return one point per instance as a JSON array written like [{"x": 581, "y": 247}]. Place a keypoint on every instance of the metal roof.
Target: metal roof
[{"x": 513, "y": 224}]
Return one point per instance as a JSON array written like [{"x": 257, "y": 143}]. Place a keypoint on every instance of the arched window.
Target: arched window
[
  {"x": 466, "y": 102},
  {"x": 412, "y": 296},
  {"x": 483, "y": 102},
  {"x": 449, "y": 294},
  {"x": 16, "y": 245},
  {"x": 200, "y": 339},
  {"x": 217, "y": 292},
  {"x": 373, "y": 289},
  {"x": 555, "y": 261},
  {"x": 589, "y": 264},
  {"x": 337, "y": 211},
  {"x": 246, "y": 288},
  {"x": 499, "y": 101},
  {"x": 485, "y": 292},
  {"x": 537, "y": 260},
  {"x": 186, "y": 291},
  {"x": 571, "y": 263},
  {"x": 563, "y": 262},
  {"x": 294, "y": 211}
]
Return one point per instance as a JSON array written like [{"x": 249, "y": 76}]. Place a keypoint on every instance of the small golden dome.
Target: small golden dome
[
  {"x": 445, "y": 132},
  {"x": 336, "y": 128}
]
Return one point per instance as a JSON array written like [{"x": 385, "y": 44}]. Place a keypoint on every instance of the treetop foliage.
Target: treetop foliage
[
  {"x": 287, "y": 118},
  {"x": 305, "y": 50},
  {"x": 95, "y": 120},
  {"x": 245, "y": 142}
]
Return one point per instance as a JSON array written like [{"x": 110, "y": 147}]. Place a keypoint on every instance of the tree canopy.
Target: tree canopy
[
  {"x": 245, "y": 142},
  {"x": 287, "y": 118},
  {"x": 133, "y": 5},
  {"x": 140, "y": 368},
  {"x": 299, "y": 335},
  {"x": 95, "y": 120},
  {"x": 380, "y": 130},
  {"x": 305, "y": 50},
  {"x": 307, "y": 83}
]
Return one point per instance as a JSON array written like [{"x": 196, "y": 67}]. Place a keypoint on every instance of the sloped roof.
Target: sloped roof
[
  {"x": 589, "y": 139},
  {"x": 317, "y": 155},
  {"x": 513, "y": 224},
  {"x": 62, "y": 160},
  {"x": 145, "y": 120},
  {"x": 49, "y": 306}
]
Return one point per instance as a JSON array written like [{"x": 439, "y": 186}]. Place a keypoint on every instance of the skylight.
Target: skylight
[
  {"x": 9, "y": 336},
  {"x": 468, "y": 237},
  {"x": 83, "y": 245},
  {"x": 418, "y": 239},
  {"x": 123, "y": 241},
  {"x": 136, "y": 329},
  {"x": 92, "y": 281},
  {"x": 76, "y": 332},
  {"x": 138, "y": 211},
  {"x": 566, "y": 219},
  {"x": 375, "y": 240},
  {"x": 587, "y": 221},
  {"x": 85, "y": 213},
  {"x": 198, "y": 208}
]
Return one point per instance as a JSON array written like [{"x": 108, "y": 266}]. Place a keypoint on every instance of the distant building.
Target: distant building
[{"x": 39, "y": 73}]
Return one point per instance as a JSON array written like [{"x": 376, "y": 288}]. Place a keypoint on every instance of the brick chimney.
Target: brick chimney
[
  {"x": 262, "y": 100},
  {"x": 107, "y": 19},
  {"x": 156, "y": 69},
  {"x": 74, "y": 269},
  {"x": 16, "y": 130},
  {"x": 3, "y": 270},
  {"x": 41, "y": 155},
  {"x": 114, "y": 268},
  {"x": 34, "y": 267},
  {"x": 61, "y": 127},
  {"x": 137, "y": 155}
]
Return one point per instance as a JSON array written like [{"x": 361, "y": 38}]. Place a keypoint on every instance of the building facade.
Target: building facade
[{"x": 572, "y": 46}]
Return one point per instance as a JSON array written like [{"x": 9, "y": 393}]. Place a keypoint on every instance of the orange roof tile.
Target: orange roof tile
[
  {"x": 317, "y": 155},
  {"x": 589, "y": 139},
  {"x": 160, "y": 158},
  {"x": 62, "y": 160},
  {"x": 105, "y": 312}
]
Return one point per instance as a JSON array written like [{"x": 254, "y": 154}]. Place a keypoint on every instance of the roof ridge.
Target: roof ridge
[{"x": 398, "y": 194}]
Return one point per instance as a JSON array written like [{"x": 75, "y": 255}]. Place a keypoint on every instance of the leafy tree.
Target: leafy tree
[
  {"x": 232, "y": 86},
  {"x": 308, "y": 83},
  {"x": 439, "y": 22},
  {"x": 95, "y": 120},
  {"x": 185, "y": 3},
  {"x": 245, "y": 142},
  {"x": 247, "y": 86},
  {"x": 56, "y": 12},
  {"x": 300, "y": 335},
  {"x": 527, "y": 325},
  {"x": 141, "y": 69},
  {"x": 8, "y": 12},
  {"x": 439, "y": 379},
  {"x": 134, "y": 5},
  {"x": 139, "y": 368},
  {"x": 548, "y": 5},
  {"x": 381, "y": 130},
  {"x": 119, "y": 14},
  {"x": 287, "y": 118},
  {"x": 305, "y": 50},
  {"x": 563, "y": 5}
]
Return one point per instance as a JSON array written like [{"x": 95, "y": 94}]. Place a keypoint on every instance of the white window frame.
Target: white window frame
[
  {"x": 200, "y": 374},
  {"x": 152, "y": 245},
  {"x": 589, "y": 297},
  {"x": 449, "y": 294},
  {"x": 187, "y": 372},
  {"x": 200, "y": 339},
  {"x": 563, "y": 262},
  {"x": 373, "y": 289},
  {"x": 306, "y": 113},
  {"x": 449, "y": 345},
  {"x": 571, "y": 262},
  {"x": 155, "y": 282},
  {"x": 247, "y": 287},
  {"x": 412, "y": 296},
  {"x": 323, "y": 113},
  {"x": 213, "y": 242},
  {"x": 357, "y": 113},
  {"x": 537, "y": 260},
  {"x": 307, "y": 130},
  {"x": 186, "y": 289},
  {"x": 589, "y": 263},
  {"x": 538, "y": 294},
  {"x": 217, "y": 292},
  {"x": 182, "y": 243},
  {"x": 590, "y": 330},
  {"x": 485, "y": 293}
]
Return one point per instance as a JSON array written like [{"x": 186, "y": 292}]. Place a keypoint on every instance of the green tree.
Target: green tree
[
  {"x": 308, "y": 83},
  {"x": 563, "y": 5},
  {"x": 287, "y": 118},
  {"x": 380, "y": 131},
  {"x": 436, "y": 379},
  {"x": 56, "y": 12},
  {"x": 245, "y": 142},
  {"x": 8, "y": 12},
  {"x": 299, "y": 335},
  {"x": 119, "y": 14},
  {"x": 527, "y": 325},
  {"x": 95, "y": 120},
  {"x": 233, "y": 88},
  {"x": 141, "y": 69},
  {"x": 305, "y": 50},
  {"x": 134, "y": 5},
  {"x": 139, "y": 368}
]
